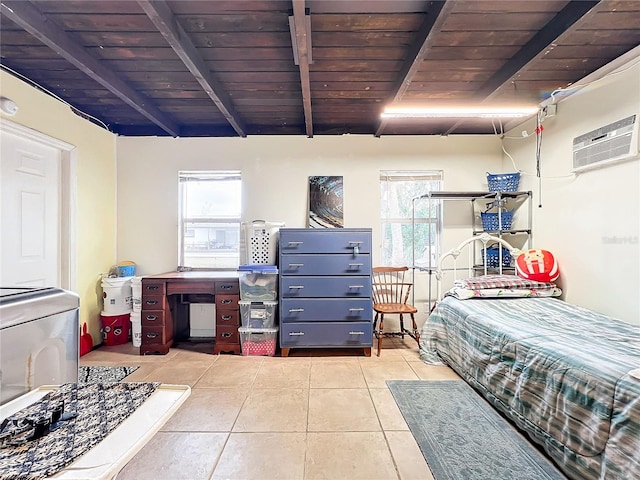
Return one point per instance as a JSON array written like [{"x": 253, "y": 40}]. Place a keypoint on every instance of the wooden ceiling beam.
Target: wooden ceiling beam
[
  {"x": 302, "y": 45},
  {"x": 436, "y": 16},
  {"x": 37, "y": 24},
  {"x": 564, "y": 22},
  {"x": 165, "y": 21}
]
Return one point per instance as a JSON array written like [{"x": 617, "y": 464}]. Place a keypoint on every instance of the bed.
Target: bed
[{"x": 567, "y": 376}]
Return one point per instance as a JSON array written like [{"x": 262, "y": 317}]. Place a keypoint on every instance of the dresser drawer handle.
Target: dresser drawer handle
[
  {"x": 356, "y": 333},
  {"x": 356, "y": 286},
  {"x": 226, "y": 287},
  {"x": 151, "y": 318},
  {"x": 152, "y": 287},
  {"x": 296, "y": 287},
  {"x": 356, "y": 309},
  {"x": 151, "y": 302},
  {"x": 294, "y": 310},
  {"x": 296, "y": 334},
  {"x": 226, "y": 317},
  {"x": 293, "y": 244},
  {"x": 226, "y": 335},
  {"x": 356, "y": 265},
  {"x": 226, "y": 301},
  {"x": 151, "y": 335},
  {"x": 296, "y": 265}
]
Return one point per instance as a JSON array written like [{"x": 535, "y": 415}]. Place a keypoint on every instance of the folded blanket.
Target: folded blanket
[{"x": 502, "y": 281}]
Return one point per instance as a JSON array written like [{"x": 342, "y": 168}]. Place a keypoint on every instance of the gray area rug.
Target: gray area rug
[
  {"x": 462, "y": 437},
  {"x": 99, "y": 374}
]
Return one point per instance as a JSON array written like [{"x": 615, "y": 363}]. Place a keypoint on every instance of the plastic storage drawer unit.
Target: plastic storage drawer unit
[
  {"x": 258, "y": 283},
  {"x": 258, "y": 341},
  {"x": 257, "y": 314}
]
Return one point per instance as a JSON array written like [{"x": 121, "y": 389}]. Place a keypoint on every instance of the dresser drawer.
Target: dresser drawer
[
  {"x": 345, "y": 287},
  {"x": 153, "y": 287},
  {"x": 325, "y": 309},
  {"x": 156, "y": 335},
  {"x": 227, "y": 302},
  {"x": 227, "y": 334},
  {"x": 334, "y": 334},
  {"x": 228, "y": 318},
  {"x": 231, "y": 287},
  {"x": 333, "y": 241},
  {"x": 152, "y": 318},
  {"x": 325, "y": 265},
  {"x": 153, "y": 302}
]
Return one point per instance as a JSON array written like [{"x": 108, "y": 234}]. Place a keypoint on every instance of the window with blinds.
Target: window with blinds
[{"x": 209, "y": 220}]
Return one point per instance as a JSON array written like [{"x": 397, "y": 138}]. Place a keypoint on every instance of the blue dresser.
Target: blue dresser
[{"x": 325, "y": 288}]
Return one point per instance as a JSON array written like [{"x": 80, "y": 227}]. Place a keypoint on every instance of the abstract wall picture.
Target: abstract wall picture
[{"x": 325, "y": 202}]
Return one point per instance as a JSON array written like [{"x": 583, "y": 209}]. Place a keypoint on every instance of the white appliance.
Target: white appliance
[
  {"x": 611, "y": 143},
  {"x": 39, "y": 338}
]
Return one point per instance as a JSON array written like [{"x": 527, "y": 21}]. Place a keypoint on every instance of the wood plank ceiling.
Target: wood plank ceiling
[{"x": 295, "y": 67}]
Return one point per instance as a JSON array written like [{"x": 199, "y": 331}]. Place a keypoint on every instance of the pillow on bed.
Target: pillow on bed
[
  {"x": 484, "y": 282},
  {"x": 462, "y": 293}
]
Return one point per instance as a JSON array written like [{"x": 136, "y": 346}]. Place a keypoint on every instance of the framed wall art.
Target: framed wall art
[{"x": 325, "y": 202}]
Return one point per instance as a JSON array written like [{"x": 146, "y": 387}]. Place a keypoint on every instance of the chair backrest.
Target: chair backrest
[{"x": 390, "y": 286}]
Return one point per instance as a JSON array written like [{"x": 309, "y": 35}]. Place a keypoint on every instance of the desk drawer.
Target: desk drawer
[
  {"x": 227, "y": 302},
  {"x": 228, "y": 317},
  {"x": 153, "y": 302},
  {"x": 334, "y": 334},
  {"x": 231, "y": 287},
  {"x": 227, "y": 334},
  {"x": 152, "y": 318},
  {"x": 207, "y": 287},
  {"x": 341, "y": 287},
  {"x": 329, "y": 309},
  {"x": 153, "y": 287},
  {"x": 155, "y": 335},
  {"x": 325, "y": 265}
]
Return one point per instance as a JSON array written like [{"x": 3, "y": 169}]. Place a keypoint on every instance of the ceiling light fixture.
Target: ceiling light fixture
[{"x": 458, "y": 112}]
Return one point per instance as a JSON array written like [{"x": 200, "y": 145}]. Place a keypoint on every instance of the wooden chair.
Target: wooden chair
[{"x": 390, "y": 296}]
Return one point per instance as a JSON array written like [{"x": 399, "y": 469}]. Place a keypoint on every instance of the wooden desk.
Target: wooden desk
[{"x": 165, "y": 308}]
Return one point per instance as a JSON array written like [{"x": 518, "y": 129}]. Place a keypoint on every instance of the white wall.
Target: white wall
[
  {"x": 275, "y": 173},
  {"x": 590, "y": 221}
]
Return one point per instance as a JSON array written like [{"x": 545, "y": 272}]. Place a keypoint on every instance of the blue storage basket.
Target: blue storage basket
[
  {"x": 491, "y": 222},
  {"x": 503, "y": 182},
  {"x": 493, "y": 257},
  {"x": 126, "y": 270}
]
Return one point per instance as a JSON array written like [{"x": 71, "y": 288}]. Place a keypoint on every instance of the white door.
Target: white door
[{"x": 30, "y": 224}]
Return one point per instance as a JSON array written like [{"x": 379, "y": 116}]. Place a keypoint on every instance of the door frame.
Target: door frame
[{"x": 67, "y": 267}]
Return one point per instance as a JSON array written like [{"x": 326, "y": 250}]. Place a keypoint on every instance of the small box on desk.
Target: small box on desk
[
  {"x": 258, "y": 283},
  {"x": 258, "y": 341},
  {"x": 257, "y": 314}
]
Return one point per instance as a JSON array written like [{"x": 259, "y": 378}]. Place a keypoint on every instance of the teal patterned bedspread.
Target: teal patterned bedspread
[{"x": 560, "y": 372}]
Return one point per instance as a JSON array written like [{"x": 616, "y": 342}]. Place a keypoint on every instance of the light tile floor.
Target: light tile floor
[{"x": 317, "y": 414}]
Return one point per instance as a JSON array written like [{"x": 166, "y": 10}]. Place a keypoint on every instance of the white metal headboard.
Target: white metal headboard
[{"x": 486, "y": 240}]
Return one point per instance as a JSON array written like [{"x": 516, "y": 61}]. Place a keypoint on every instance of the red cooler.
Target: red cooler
[{"x": 115, "y": 328}]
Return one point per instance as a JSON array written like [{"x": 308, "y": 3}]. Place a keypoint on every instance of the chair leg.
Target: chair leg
[
  {"x": 416, "y": 333},
  {"x": 402, "y": 330},
  {"x": 380, "y": 334}
]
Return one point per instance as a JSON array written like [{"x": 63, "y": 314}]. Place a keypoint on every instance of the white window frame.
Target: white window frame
[
  {"x": 209, "y": 175},
  {"x": 427, "y": 176}
]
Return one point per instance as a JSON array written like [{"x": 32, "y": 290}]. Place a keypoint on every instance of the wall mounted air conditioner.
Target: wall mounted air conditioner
[{"x": 615, "y": 142}]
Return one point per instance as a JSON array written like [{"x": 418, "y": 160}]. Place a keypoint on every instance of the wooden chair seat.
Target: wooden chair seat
[{"x": 394, "y": 308}]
